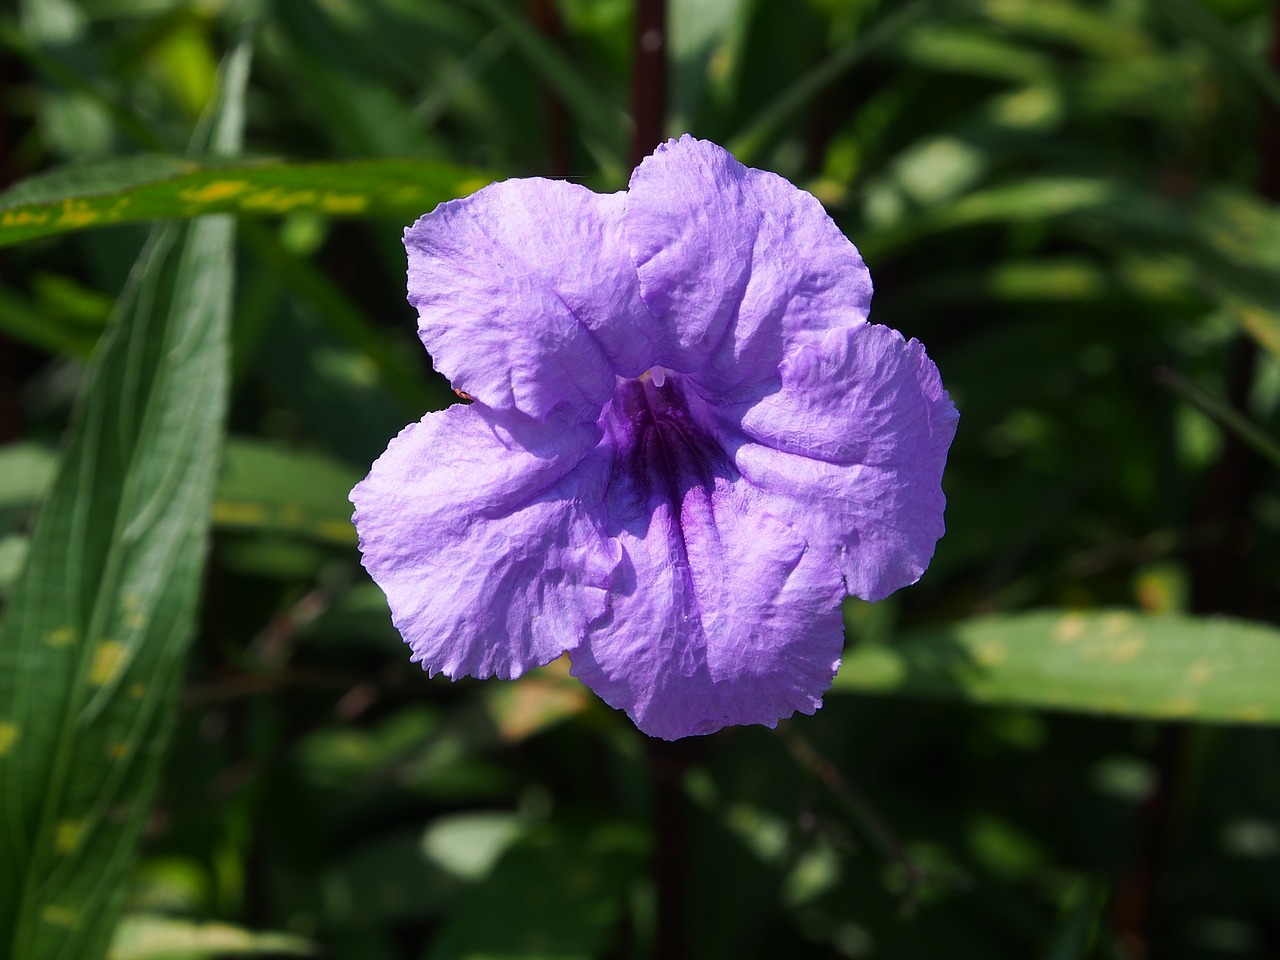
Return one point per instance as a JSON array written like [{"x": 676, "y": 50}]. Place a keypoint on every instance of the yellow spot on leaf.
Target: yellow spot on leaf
[
  {"x": 1200, "y": 671},
  {"x": 278, "y": 200},
  {"x": 343, "y": 203},
  {"x": 108, "y": 661},
  {"x": 1127, "y": 649},
  {"x": 1250, "y": 714},
  {"x": 410, "y": 195},
  {"x": 336, "y": 530},
  {"x": 60, "y": 916},
  {"x": 1069, "y": 629},
  {"x": 117, "y": 750},
  {"x": 249, "y": 514},
  {"x": 134, "y": 618},
  {"x": 23, "y": 218},
  {"x": 1177, "y": 707},
  {"x": 1114, "y": 624},
  {"x": 67, "y": 835},
  {"x": 8, "y": 736},
  {"x": 1261, "y": 324},
  {"x": 468, "y": 187},
  {"x": 991, "y": 653},
  {"x": 77, "y": 213},
  {"x": 213, "y": 192},
  {"x": 137, "y": 690},
  {"x": 60, "y": 637}
]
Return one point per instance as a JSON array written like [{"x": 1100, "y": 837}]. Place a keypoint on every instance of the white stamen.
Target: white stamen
[{"x": 659, "y": 376}]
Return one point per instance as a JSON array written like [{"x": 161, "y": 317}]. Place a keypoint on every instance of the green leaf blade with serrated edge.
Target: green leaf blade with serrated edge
[
  {"x": 143, "y": 188},
  {"x": 94, "y": 636},
  {"x": 1122, "y": 663}
]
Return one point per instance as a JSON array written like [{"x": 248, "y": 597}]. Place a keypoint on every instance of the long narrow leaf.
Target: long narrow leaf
[
  {"x": 136, "y": 189},
  {"x": 92, "y": 644}
]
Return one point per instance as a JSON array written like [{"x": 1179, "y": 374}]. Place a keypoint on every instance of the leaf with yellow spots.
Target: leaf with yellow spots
[
  {"x": 108, "y": 661},
  {"x": 8, "y": 734},
  {"x": 67, "y": 835},
  {"x": 60, "y": 916},
  {"x": 1119, "y": 662},
  {"x": 138, "y": 189},
  {"x": 60, "y": 636},
  {"x": 97, "y": 625},
  {"x": 269, "y": 488}
]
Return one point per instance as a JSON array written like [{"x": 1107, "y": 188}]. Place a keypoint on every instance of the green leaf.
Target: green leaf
[
  {"x": 784, "y": 106},
  {"x": 608, "y": 126},
  {"x": 263, "y": 487},
  {"x": 1074, "y": 932},
  {"x": 698, "y": 28},
  {"x": 92, "y": 645},
  {"x": 148, "y": 937},
  {"x": 25, "y": 320},
  {"x": 1220, "y": 410},
  {"x": 966, "y": 50},
  {"x": 134, "y": 189},
  {"x": 590, "y": 865},
  {"x": 26, "y": 471},
  {"x": 1123, "y": 663},
  {"x": 1030, "y": 200},
  {"x": 1262, "y": 325},
  {"x": 1095, "y": 32},
  {"x": 1207, "y": 29},
  {"x": 311, "y": 286},
  {"x": 1236, "y": 238}
]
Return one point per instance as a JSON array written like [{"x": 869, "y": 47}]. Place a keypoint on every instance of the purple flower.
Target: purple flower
[{"x": 686, "y": 446}]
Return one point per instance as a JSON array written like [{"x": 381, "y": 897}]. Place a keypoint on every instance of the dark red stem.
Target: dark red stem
[{"x": 649, "y": 78}]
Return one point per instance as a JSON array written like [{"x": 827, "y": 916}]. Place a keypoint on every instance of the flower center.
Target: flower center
[{"x": 661, "y": 451}]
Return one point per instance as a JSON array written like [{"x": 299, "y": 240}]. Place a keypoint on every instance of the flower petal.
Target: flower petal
[
  {"x": 481, "y": 530},
  {"x": 719, "y": 613},
  {"x": 850, "y": 453},
  {"x": 736, "y": 262},
  {"x": 527, "y": 297}
]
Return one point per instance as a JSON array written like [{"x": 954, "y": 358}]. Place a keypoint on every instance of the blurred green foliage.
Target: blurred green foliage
[{"x": 1072, "y": 203}]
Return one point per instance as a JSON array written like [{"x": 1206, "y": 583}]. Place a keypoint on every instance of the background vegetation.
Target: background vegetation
[{"x": 1060, "y": 744}]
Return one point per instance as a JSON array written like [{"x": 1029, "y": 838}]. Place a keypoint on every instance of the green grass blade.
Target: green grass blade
[
  {"x": 92, "y": 644},
  {"x": 137, "y": 189},
  {"x": 1123, "y": 663}
]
